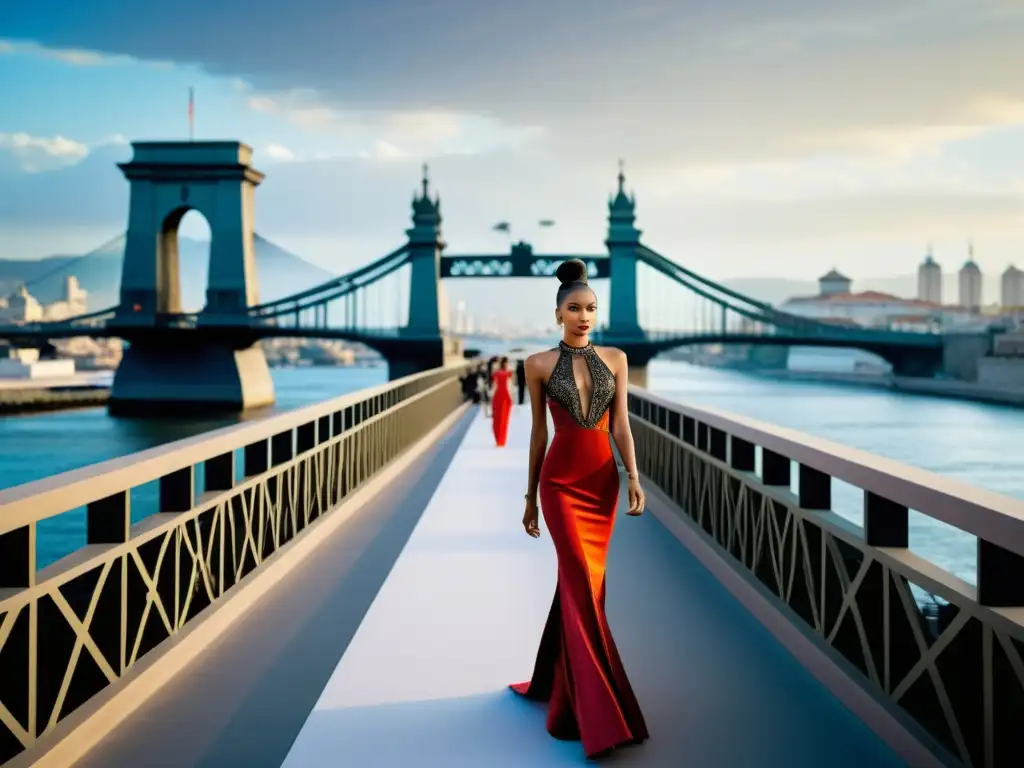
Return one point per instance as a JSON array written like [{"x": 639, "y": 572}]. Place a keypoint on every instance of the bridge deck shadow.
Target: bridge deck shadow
[{"x": 422, "y": 681}]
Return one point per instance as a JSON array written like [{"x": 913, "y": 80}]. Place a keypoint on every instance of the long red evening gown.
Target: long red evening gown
[
  {"x": 501, "y": 407},
  {"x": 578, "y": 669}
]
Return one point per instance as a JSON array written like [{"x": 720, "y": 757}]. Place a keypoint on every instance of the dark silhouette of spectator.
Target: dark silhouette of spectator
[{"x": 521, "y": 380}]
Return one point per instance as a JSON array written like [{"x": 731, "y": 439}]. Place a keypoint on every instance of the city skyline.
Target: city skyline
[{"x": 774, "y": 145}]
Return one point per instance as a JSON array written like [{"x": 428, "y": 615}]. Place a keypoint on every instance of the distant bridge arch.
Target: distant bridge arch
[
  {"x": 168, "y": 180},
  {"x": 170, "y": 298}
]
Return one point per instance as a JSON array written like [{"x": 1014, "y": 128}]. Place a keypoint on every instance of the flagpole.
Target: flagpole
[{"x": 191, "y": 114}]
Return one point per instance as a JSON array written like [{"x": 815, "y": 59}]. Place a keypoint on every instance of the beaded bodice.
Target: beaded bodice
[{"x": 561, "y": 386}]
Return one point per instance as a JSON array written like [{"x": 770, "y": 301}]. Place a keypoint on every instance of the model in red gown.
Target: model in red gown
[
  {"x": 578, "y": 669},
  {"x": 501, "y": 406}
]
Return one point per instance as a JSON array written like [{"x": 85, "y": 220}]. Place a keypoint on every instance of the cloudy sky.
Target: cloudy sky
[{"x": 762, "y": 138}]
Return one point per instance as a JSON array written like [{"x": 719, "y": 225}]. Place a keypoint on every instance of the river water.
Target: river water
[{"x": 971, "y": 442}]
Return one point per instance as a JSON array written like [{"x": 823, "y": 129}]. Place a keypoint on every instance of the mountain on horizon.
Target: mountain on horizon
[{"x": 280, "y": 273}]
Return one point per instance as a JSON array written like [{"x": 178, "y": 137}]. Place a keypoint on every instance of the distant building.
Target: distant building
[
  {"x": 25, "y": 364},
  {"x": 460, "y": 323},
  {"x": 970, "y": 283},
  {"x": 1012, "y": 289},
  {"x": 873, "y": 309},
  {"x": 23, "y": 307},
  {"x": 834, "y": 283},
  {"x": 73, "y": 303},
  {"x": 929, "y": 280},
  {"x": 444, "y": 311}
]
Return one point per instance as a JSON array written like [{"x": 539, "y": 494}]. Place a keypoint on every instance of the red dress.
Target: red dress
[
  {"x": 501, "y": 406},
  {"x": 578, "y": 669}
]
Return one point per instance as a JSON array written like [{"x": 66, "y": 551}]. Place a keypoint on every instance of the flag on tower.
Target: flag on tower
[{"x": 191, "y": 113}]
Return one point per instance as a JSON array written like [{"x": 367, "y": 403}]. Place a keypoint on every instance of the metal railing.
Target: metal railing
[
  {"x": 72, "y": 629},
  {"x": 946, "y": 655}
]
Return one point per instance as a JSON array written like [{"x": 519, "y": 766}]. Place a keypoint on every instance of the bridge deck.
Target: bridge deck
[{"x": 422, "y": 681}]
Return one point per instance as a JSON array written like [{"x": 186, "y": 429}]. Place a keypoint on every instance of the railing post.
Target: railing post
[
  {"x": 815, "y": 489},
  {"x": 282, "y": 448},
  {"x": 305, "y": 438},
  {"x": 674, "y": 424},
  {"x": 717, "y": 445},
  {"x": 741, "y": 454},
  {"x": 689, "y": 430},
  {"x": 776, "y": 469},
  {"x": 1000, "y": 576},
  {"x": 109, "y": 520},
  {"x": 219, "y": 472},
  {"x": 256, "y": 458},
  {"x": 323, "y": 429},
  {"x": 178, "y": 490},
  {"x": 886, "y": 523},
  {"x": 18, "y": 557}
]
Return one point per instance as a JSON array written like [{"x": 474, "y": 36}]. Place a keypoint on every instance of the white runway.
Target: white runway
[{"x": 424, "y": 681}]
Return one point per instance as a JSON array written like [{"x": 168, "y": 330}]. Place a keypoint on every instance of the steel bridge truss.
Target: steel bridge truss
[{"x": 307, "y": 311}]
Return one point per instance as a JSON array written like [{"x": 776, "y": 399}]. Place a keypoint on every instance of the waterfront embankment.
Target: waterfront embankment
[
  {"x": 949, "y": 388},
  {"x": 83, "y": 390}
]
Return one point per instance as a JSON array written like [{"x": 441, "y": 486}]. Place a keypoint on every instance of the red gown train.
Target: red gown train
[
  {"x": 578, "y": 669},
  {"x": 501, "y": 407}
]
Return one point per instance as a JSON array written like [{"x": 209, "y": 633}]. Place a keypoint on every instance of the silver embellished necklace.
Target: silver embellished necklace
[{"x": 576, "y": 350}]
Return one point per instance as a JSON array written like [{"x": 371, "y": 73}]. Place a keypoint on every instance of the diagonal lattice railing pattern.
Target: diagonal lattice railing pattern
[
  {"x": 70, "y": 631},
  {"x": 950, "y": 656}
]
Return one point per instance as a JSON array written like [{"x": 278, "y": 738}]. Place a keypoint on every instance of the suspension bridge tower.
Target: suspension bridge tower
[
  {"x": 623, "y": 249},
  {"x": 422, "y": 343},
  {"x": 623, "y": 242},
  {"x": 215, "y": 362}
]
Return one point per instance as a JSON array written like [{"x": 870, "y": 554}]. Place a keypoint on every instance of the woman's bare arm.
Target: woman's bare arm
[
  {"x": 536, "y": 374},
  {"x": 621, "y": 432}
]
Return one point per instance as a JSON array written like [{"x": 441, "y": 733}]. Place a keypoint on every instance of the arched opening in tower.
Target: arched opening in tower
[{"x": 183, "y": 261}]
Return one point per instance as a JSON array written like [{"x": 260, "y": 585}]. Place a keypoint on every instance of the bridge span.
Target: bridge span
[
  {"x": 349, "y": 582},
  {"x": 212, "y": 360}
]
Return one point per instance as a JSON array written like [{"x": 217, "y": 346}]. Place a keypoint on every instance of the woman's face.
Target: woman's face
[{"x": 578, "y": 312}]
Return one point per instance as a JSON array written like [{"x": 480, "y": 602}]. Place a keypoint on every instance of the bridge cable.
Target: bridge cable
[{"x": 66, "y": 265}]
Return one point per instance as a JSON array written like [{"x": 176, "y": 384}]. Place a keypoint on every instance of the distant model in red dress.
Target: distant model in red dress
[
  {"x": 578, "y": 669},
  {"x": 501, "y": 403}
]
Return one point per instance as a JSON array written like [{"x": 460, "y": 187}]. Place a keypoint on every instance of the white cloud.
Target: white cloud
[
  {"x": 298, "y": 107},
  {"x": 385, "y": 150},
  {"x": 425, "y": 126},
  {"x": 113, "y": 140},
  {"x": 280, "y": 152},
  {"x": 76, "y": 57},
  {"x": 387, "y": 135},
  {"x": 37, "y": 153}
]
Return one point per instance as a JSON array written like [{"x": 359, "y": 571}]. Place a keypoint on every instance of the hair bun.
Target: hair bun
[{"x": 571, "y": 271}]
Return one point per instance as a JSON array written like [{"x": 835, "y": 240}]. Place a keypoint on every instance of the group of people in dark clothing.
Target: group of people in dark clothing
[{"x": 478, "y": 381}]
